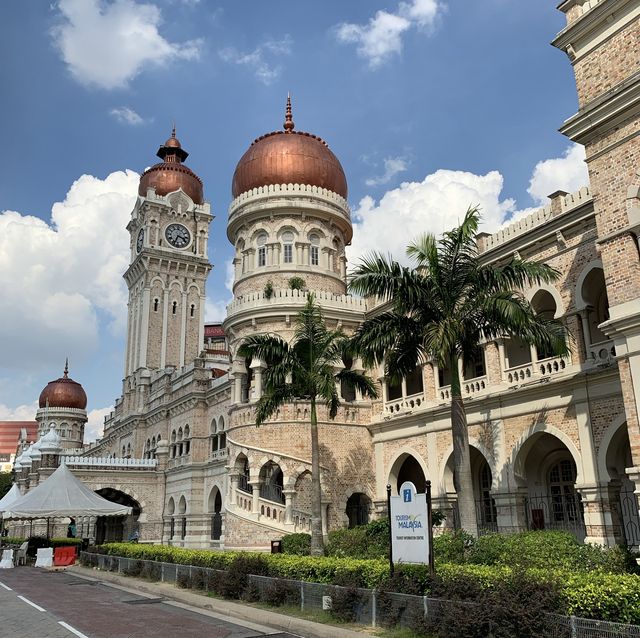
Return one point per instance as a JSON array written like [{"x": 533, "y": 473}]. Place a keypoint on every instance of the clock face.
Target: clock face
[
  {"x": 140, "y": 240},
  {"x": 177, "y": 235}
]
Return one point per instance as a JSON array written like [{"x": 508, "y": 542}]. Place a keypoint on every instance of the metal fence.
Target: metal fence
[{"x": 362, "y": 606}]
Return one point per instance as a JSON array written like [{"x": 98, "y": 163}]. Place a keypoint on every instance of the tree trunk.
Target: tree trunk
[
  {"x": 317, "y": 542},
  {"x": 461, "y": 455}
]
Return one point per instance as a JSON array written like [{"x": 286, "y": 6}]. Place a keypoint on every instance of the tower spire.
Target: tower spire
[
  {"x": 288, "y": 118},
  {"x": 66, "y": 368}
]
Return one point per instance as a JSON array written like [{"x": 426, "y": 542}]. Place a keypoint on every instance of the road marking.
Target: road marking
[
  {"x": 72, "y": 630},
  {"x": 7, "y": 588},
  {"x": 26, "y": 600}
]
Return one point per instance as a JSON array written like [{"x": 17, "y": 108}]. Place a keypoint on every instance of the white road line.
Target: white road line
[
  {"x": 7, "y": 588},
  {"x": 72, "y": 630},
  {"x": 26, "y": 600}
]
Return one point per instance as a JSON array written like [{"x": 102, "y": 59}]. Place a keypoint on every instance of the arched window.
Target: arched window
[
  {"x": 187, "y": 443},
  {"x": 262, "y": 250},
  {"x": 192, "y": 310},
  {"x": 156, "y": 301},
  {"x": 174, "y": 305},
  {"x": 287, "y": 247},
  {"x": 124, "y": 451},
  {"x": 314, "y": 252},
  {"x": 128, "y": 450},
  {"x": 544, "y": 305}
]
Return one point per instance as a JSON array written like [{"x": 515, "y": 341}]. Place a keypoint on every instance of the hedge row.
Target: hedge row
[
  {"x": 543, "y": 549},
  {"x": 595, "y": 594}
]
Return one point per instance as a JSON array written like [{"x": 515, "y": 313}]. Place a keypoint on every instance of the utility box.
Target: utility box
[{"x": 276, "y": 547}]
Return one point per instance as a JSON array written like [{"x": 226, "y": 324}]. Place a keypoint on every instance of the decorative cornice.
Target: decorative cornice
[{"x": 606, "y": 112}]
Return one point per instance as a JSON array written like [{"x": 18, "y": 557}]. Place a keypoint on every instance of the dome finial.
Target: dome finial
[
  {"x": 66, "y": 368},
  {"x": 173, "y": 129},
  {"x": 288, "y": 118}
]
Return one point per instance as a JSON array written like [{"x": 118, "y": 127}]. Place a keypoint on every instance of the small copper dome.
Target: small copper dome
[
  {"x": 171, "y": 174},
  {"x": 289, "y": 157},
  {"x": 63, "y": 393}
]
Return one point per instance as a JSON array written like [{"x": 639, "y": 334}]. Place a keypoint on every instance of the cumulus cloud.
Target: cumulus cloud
[
  {"x": 94, "y": 428},
  {"x": 259, "y": 61},
  {"x": 216, "y": 309},
  {"x": 59, "y": 280},
  {"x": 568, "y": 173},
  {"x": 433, "y": 205},
  {"x": 125, "y": 115},
  {"x": 381, "y": 38},
  {"x": 106, "y": 45},
  {"x": 25, "y": 412},
  {"x": 392, "y": 166}
]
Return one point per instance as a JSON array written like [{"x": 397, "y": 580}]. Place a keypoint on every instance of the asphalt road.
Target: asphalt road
[{"x": 35, "y": 603}]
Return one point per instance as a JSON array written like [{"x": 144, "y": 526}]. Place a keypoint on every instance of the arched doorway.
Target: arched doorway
[
  {"x": 115, "y": 529},
  {"x": 624, "y": 503},
  {"x": 271, "y": 482},
  {"x": 358, "y": 508},
  {"x": 407, "y": 468},
  {"x": 481, "y": 478},
  {"x": 545, "y": 465},
  {"x": 544, "y": 305},
  {"x": 215, "y": 507}
]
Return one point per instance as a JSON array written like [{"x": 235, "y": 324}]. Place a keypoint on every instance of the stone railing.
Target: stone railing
[
  {"x": 475, "y": 386},
  {"x": 287, "y": 296},
  {"x": 283, "y": 190},
  {"x": 219, "y": 455},
  {"x": 537, "y": 218},
  {"x": 95, "y": 461},
  {"x": 405, "y": 403},
  {"x": 537, "y": 369},
  {"x": 602, "y": 354}
]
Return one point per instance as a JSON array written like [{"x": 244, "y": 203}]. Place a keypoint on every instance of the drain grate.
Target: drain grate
[{"x": 144, "y": 601}]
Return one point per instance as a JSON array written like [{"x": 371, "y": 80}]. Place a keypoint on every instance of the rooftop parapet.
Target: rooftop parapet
[{"x": 561, "y": 203}]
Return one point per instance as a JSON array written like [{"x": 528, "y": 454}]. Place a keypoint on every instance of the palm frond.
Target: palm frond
[{"x": 360, "y": 382}]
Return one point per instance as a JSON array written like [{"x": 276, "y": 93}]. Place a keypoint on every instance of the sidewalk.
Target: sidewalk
[{"x": 279, "y": 622}]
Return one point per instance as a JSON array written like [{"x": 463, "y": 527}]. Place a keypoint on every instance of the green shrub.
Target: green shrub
[
  {"x": 298, "y": 544},
  {"x": 452, "y": 547},
  {"x": 346, "y": 603},
  {"x": 281, "y": 592},
  {"x": 297, "y": 283}
]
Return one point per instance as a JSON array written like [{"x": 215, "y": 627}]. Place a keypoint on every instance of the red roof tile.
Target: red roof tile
[{"x": 10, "y": 434}]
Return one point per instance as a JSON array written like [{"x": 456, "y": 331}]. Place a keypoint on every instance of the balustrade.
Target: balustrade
[
  {"x": 603, "y": 353},
  {"x": 406, "y": 403}
]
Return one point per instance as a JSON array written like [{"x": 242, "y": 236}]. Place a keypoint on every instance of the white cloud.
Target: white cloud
[
  {"x": 94, "y": 428},
  {"x": 108, "y": 44},
  {"x": 216, "y": 309},
  {"x": 392, "y": 166},
  {"x": 125, "y": 115},
  {"x": 58, "y": 280},
  {"x": 381, "y": 37},
  {"x": 259, "y": 60},
  {"x": 25, "y": 412},
  {"x": 433, "y": 205},
  {"x": 568, "y": 173}
]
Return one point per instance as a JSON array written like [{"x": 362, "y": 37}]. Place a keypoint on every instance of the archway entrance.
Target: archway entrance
[
  {"x": 115, "y": 529},
  {"x": 624, "y": 504},
  {"x": 215, "y": 507},
  {"x": 545, "y": 465},
  {"x": 407, "y": 468},
  {"x": 358, "y": 507}
]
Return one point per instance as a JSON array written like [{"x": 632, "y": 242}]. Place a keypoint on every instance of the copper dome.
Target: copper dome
[
  {"x": 171, "y": 174},
  {"x": 289, "y": 157},
  {"x": 63, "y": 393}
]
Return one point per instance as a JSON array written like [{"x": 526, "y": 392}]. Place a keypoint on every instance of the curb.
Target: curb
[{"x": 246, "y": 613}]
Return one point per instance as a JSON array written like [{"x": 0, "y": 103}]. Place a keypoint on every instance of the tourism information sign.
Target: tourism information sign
[{"x": 410, "y": 518}]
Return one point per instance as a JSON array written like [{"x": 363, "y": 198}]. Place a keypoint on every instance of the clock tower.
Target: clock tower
[{"x": 169, "y": 229}]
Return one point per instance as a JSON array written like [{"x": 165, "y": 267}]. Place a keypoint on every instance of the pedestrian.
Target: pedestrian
[{"x": 72, "y": 529}]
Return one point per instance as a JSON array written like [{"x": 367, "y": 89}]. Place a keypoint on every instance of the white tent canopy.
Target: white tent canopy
[
  {"x": 9, "y": 498},
  {"x": 62, "y": 494}
]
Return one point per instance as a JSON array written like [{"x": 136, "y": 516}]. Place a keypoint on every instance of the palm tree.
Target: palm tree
[
  {"x": 306, "y": 369},
  {"x": 441, "y": 310}
]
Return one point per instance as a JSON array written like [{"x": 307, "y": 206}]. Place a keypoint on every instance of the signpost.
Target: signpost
[{"x": 410, "y": 526}]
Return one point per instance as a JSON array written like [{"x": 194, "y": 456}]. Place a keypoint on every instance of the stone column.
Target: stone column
[
  {"x": 510, "y": 510},
  {"x": 255, "y": 505},
  {"x": 503, "y": 357},
  {"x": 598, "y": 522},
  {"x": 428, "y": 381},
  {"x": 288, "y": 504},
  {"x": 165, "y": 327},
  {"x": 257, "y": 366}
]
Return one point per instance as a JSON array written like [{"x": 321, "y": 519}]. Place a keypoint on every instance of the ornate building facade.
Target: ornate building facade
[{"x": 555, "y": 441}]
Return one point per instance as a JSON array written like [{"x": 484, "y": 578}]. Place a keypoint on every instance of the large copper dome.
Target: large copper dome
[
  {"x": 63, "y": 393},
  {"x": 289, "y": 157},
  {"x": 171, "y": 174}
]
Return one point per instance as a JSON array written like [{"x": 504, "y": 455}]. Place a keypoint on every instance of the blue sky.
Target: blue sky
[{"x": 431, "y": 105}]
